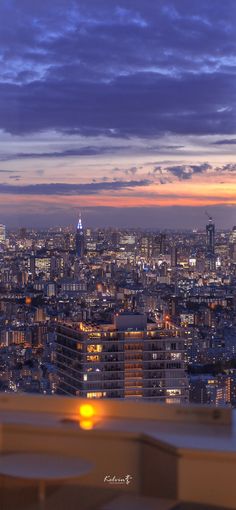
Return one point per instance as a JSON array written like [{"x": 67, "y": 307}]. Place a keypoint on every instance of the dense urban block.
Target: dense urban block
[{"x": 112, "y": 313}]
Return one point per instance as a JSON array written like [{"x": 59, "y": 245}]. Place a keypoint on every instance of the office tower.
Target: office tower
[
  {"x": 90, "y": 242},
  {"x": 126, "y": 359},
  {"x": 174, "y": 256},
  {"x": 232, "y": 246},
  {"x": 39, "y": 315},
  {"x": 22, "y": 278},
  {"x": 157, "y": 245},
  {"x": 210, "y": 237},
  {"x": 145, "y": 247},
  {"x": 127, "y": 243},
  {"x": 173, "y": 307},
  {"x": 22, "y": 233},
  {"x": 2, "y": 233},
  {"x": 162, "y": 243},
  {"x": 198, "y": 391},
  {"x": 232, "y": 237},
  {"x": 31, "y": 265},
  {"x": 42, "y": 266},
  {"x": 79, "y": 239},
  {"x": 151, "y": 246},
  {"x": 163, "y": 269},
  {"x": 51, "y": 289},
  {"x": 210, "y": 244}
]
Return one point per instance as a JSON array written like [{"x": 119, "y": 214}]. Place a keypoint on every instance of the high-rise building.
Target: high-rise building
[
  {"x": 128, "y": 243},
  {"x": 39, "y": 315},
  {"x": 210, "y": 244},
  {"x": 42, "y": 266},
  {"x": 2, "y": 233},
  {"x": 174, "y": 256},
  {"x": 162, "y": 243},
  {"x": 232, "y": 245},
  {"x": 79, "y": 239},
  {"x": 210, "y": 237},
  {"x": 146, "y": 246},
  {"x": 126, "y": 359},
  {"x": 151, "y": 246}
]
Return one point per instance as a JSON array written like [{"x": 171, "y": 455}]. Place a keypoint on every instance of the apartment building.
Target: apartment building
[{"x": 126, "y": 359}]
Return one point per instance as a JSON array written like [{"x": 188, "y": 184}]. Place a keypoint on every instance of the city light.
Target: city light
[{"x": 86, "y": 411}]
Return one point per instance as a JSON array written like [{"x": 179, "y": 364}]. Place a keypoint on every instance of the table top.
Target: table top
[{"x": 43, "y": 466}]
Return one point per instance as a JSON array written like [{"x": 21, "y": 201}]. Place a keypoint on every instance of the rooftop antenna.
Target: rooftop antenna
[
  {"x": 80, "y": 227},
  {"x": 208, "y": 215}
]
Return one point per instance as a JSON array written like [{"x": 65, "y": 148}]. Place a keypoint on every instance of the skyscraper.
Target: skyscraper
[
  {"x": 79, "y": 239},
  {"x": 174, "y": 256},
  {"x": 210, "y": 237},
  {"x": 2, "y": 233},
  {"x": 232, "y": 245},
  {"x": 210, "y": 243}
]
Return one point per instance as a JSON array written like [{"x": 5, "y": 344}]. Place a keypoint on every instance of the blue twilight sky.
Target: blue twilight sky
[{"x": 124, "y": 109}]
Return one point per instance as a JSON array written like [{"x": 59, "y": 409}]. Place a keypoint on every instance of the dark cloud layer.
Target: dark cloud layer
[
  {"x": 125, "y": 73},
  {"x": 144, "y": 104},
  {"x": 118, "y": 68},
  {"x": 91, "y": 188},
  {"x": 231, "y": 141},
  {"x": 188, "y": 171},
  {"x": 82, "y": 151},
  {"x": 7, "y": 171}
]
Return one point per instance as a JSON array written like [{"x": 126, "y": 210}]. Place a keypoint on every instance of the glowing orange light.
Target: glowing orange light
[
  {"x": 86, "y": 411},
  {"x": 86, "y": 424},
  {"x": 28, "y": 300}
]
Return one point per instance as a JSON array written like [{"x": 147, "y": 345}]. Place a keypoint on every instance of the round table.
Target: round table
[{"x": 42, "y": 467}]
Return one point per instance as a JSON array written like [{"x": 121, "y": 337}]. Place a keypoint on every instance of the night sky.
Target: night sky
[{"x": 123, "y": 109}]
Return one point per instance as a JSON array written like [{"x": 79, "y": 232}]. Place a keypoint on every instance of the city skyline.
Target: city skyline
[
  {"x": 108, "y": 218},
  {"x": 117, "y": 254},
  {"x": 126, "y": 111},
  {"x": 146, "y": 314}
]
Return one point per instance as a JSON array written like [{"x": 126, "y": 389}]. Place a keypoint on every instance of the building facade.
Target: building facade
[
  {"x": 126, "y": 359},
  {"x": 2, "y": 233},
  {"x": 210, "y": 244},
  {"x": 80, "y": 240}
]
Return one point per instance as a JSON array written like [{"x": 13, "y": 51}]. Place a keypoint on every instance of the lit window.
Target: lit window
[
  {"x": 94, "y": 348},
  {"x": 96, "y": 394},
  {"x": 93, "y": 358},
  {"x": 175, "y": 355}
]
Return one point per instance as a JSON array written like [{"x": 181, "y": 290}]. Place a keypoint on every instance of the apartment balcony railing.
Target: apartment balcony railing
[{"x": 173, "y": 454}]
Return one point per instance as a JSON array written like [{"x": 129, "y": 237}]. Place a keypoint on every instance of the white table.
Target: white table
[{"x": 42, "y": 467}]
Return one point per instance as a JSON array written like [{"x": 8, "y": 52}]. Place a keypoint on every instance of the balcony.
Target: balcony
[{"x": 177, "y": 457}]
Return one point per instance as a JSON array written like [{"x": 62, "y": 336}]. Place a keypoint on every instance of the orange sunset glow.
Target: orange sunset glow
[{"x": 119, "y": 120}]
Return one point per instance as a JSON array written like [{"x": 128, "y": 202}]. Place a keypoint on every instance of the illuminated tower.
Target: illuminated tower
[{"x": 79, "y": 239}]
